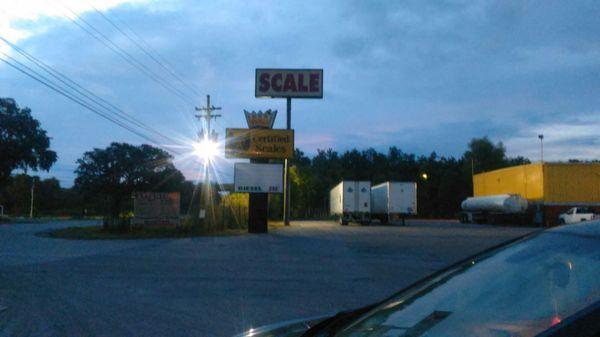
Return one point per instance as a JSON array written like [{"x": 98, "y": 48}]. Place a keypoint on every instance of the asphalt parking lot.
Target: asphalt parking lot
[{"x": 216, "y": 286}]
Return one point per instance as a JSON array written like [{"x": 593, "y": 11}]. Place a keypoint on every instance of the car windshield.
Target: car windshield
[{"x": 519, "y": 291}]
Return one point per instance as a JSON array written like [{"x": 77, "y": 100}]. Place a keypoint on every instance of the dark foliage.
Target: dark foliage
[
  {"x": 120, "y": 169},
  {"x": 448, "y": 179},
  {"x": 23, "y": 143}
]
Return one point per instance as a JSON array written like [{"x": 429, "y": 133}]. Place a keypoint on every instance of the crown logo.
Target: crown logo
[{"x": 260, "y": 120}]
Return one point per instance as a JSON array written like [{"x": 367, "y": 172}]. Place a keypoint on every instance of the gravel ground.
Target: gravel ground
[{"x": 216, "y": 286}]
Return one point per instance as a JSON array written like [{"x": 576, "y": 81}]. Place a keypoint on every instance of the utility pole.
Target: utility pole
[
  {"x": 208, "y": 116},
  {"x": 31, "y": 203},
  {"x": 208, "y": 136}
]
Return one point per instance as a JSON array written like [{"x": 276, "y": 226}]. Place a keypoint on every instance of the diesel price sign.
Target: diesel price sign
[
  {"x": 258, "y": 178},
  {"x": 289, "y": 83},
  {"x": 259, "y": 143}
]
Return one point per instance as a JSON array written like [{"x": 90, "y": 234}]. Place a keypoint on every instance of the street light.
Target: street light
[
  {"x": 424, "y": 176},
  {"x": 541, "y": 137}
]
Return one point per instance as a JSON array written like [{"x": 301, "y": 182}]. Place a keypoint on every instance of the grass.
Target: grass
[{"x": 99, "y": 233}]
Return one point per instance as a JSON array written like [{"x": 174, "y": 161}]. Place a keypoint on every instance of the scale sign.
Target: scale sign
[
  {"x": 289, "y": 83},
  {"x": 259, "y": 143},
  {"x": 258, "y": 178}
]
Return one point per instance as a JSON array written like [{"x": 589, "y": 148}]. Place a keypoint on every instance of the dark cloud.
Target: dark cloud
[{"x": 424, "y": 76}]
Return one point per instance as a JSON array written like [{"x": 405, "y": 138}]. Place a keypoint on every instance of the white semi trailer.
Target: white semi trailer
[
  {"x": 351, "y": 201},
  {"x": 392, "y": 201}
]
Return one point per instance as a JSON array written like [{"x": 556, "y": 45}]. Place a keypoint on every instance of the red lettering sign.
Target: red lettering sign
[{"x": 293, "y": 83}]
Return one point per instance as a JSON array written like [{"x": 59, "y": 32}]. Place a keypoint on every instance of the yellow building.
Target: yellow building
[{"x": 560, "y": 184}]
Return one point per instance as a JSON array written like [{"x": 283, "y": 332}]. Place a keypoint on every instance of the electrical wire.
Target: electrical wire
[
  {"x": 19, "y": 66},
  {"x": 107, "y": 106},
  {"x": 103, "y": 39},
  {"x": 147, "y": 49}
]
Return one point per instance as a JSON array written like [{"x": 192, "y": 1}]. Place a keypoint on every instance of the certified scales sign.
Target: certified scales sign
[
  {"x": 259, "y": 143},
  {"x": 258, "y": 178},
  {"x": 289, "y": 83}
]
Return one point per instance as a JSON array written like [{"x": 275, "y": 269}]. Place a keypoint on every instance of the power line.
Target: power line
[
  {"x": 144, "y": 46},
  {"x": 48, "y": 83},
  {"x": 126, "y": 56},
  {"x": 109, "y": 107}
]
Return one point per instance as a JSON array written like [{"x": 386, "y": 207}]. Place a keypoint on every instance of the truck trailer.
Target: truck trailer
[
  {"x": 351, "y": 201},
  {"x": 532, "y": 194},
  {"x": 392, "y": 201}
]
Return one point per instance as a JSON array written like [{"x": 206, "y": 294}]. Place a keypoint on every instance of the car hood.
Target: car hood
[{"x": 293, "y": 328}]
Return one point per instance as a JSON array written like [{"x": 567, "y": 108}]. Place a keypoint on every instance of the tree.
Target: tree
[
  {"x": 120, "y": 169},
  {"x": 23, "y": 143},
  {"x": 485, "y": 155}
]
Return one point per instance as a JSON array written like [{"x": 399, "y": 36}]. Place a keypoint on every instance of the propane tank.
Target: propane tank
[{"x": 502, "y": 203}]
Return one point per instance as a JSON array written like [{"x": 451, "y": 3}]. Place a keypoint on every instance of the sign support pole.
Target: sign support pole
[
  {"x": 286, "y": 173},
  {"x": 258, "y": 208}
]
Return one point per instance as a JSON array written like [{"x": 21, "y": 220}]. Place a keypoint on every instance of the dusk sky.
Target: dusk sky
[{"x": 422, "y": 76}]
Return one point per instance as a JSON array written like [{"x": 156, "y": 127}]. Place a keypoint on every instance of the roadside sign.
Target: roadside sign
[
  {"x": 289, "y": 83},
  {"x": 258, "y": 178},
  {"x": 259, "y": 143},
  {"x": 156, "y": 209}
]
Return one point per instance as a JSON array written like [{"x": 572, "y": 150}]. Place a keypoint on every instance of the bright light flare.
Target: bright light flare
[{"x": 206, "y": 149}]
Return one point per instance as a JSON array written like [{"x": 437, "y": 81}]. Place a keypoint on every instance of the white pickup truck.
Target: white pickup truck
[{"x": 577, "y": 214}]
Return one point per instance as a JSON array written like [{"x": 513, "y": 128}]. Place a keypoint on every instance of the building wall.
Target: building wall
[
  {"x": 525, "y": 180},
  {"x": 571, "y": 183}
]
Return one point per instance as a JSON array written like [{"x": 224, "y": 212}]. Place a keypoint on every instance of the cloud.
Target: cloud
[
  {"x": 423, "y": 76},
  {"x": 572, "y": 138},
  {"x": 26, "y": 18}
]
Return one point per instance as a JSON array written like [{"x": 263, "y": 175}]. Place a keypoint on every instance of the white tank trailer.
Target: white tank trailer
[
  {"x": 493, "y": 208},
  {"x": 392, "y": 201},
  {"x": 351, "y": 201}
]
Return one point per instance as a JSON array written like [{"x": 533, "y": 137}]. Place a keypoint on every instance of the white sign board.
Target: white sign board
[
  {"x": 258, "y": 178},
  {"x": 292, "y": 83}
]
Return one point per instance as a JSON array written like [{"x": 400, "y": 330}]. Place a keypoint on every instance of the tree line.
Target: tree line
[
  {"x": 106, "y": 178},
  {"x": 442, "y": 181}
]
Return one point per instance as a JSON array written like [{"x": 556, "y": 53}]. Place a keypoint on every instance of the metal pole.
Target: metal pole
[
  {"x": 472, "y": 167},
  {"x": 31, "y": 204},
  {"x": 286, "y": 174},
  {"x": 208, "y": 111},
  {"x": 541, "y": 137},
  {"x": 207, "y": 194}
]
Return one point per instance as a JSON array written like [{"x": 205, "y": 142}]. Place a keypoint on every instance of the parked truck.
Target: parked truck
[
  {"x": 577, "y": 214},
  {"x": 351, "y": 201},
  {"x": 393, "y": 201}
]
